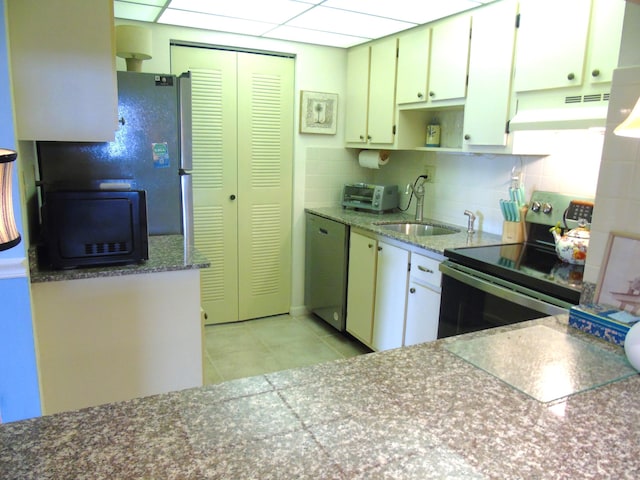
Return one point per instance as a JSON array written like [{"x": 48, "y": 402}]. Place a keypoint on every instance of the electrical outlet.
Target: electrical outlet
[{"x": 430, "y": 172}]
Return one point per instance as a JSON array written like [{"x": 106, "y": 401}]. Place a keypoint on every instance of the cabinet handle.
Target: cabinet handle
[
  {"x": 121, "y": 121},
  {"x": 323, "y": 231},
  {"x": 371, "y": 245},
  {"x": 379, "y": 249},
  {"x": 571, "y": 76},
  {"x": 424, "y": 269},
  {"x": 467, "y": 137},
  {"x": 432, "y": 94},
  {"x": 232, "y": 197},
  {"x": 420, "y": 95},
  {"x": 361, "y": 137},
  {"x": 412, "y": 290},
  {"x": 595, "y": 73},
  {"x": 368, "y": 137}
]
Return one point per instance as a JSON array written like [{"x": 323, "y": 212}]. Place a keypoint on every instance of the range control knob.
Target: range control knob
[
  {"x": 535, "y": 206},
  {"x": 547, "y": 208}
]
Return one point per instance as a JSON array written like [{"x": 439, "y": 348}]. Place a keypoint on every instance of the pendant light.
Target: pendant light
[
  {"x": 9, "y": 236},
  {"x": 631, "y": 126}
]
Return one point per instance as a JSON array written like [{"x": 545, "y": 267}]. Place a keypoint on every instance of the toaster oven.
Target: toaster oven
[{"x": 366, "y": 196}]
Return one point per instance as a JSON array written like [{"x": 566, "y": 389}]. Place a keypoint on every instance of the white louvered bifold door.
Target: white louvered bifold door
[
  {"x": 265, "y": 169},
  {"x": 214, "y": 88},
  {"x": 242, "y": 179}
]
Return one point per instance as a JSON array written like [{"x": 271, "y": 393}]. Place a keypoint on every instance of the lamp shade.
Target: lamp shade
[
  {"x": 9, "y": 236},
  {"x": 133, "y": 43},
  {"x": 631, "y": 126}
]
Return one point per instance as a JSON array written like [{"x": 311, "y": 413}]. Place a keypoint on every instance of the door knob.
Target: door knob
[
  {"x": 232, "y": 197},
  {"x": 412, "y": 290}
]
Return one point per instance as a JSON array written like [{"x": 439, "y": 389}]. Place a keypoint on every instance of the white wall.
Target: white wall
[
  {"x": 321, "y": 69},
  {"x": 618, "y": 193}
]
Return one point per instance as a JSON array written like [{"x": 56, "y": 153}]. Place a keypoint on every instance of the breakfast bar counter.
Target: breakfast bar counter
[{"x": 446, "y": 409}]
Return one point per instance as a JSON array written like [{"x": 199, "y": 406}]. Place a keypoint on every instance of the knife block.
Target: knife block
[{"x": 512, "y": 232}]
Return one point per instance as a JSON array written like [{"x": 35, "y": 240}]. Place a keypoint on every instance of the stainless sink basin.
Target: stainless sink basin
[{"x": 417, "y": 229}]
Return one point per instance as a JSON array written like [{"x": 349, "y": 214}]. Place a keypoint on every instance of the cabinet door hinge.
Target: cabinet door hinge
[
  {"x": 517, "y": 20},
  {"x": 393, "y": 130},
  {"x": 397, "y": 52},
  {"x": 506, "y": 127},
  {"x": 409, "y": 267}
]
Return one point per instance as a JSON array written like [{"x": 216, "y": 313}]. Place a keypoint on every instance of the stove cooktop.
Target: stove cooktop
[{"x": 532, "y": 265}]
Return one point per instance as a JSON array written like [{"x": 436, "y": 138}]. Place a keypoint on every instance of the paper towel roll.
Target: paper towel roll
[{"x": 373, "y": 158}]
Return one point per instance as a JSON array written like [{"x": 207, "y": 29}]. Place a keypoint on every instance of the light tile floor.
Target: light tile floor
[{"x": 254, "y": 347}]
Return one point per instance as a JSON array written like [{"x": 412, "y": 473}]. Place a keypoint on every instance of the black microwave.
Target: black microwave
[{"x": 89, "y": 228}]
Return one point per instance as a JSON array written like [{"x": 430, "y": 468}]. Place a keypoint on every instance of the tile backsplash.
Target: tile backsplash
[{"x": 461, "y": 182}]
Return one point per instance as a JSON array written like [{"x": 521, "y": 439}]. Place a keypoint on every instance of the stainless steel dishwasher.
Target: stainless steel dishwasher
[{"x": 326, "y": 256}]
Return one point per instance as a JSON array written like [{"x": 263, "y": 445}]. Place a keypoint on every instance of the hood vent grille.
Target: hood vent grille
[{"x": 594, "y": 97}]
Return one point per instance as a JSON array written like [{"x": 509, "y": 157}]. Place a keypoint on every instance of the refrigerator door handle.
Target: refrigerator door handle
[
  {"x": 186, "y": 186},
  {"x": 186, "y": 146}
]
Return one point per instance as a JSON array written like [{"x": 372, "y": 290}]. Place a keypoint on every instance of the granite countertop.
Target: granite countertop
[
  {"x": 166, "y": 253},
  {"x": 367, "y": 221},
  {"x": 419, "y": 412}
]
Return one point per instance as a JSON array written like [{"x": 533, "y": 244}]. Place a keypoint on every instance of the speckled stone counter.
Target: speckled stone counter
[
  {"x": 437, "y": 243},
  {"x": 166, "y": 253},
  {"x": 417, "y": 412}
]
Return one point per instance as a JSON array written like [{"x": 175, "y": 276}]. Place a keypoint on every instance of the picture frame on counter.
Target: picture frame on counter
[
  {"x": 619, "y": 282},
  {"x": 318, "y": 112}
]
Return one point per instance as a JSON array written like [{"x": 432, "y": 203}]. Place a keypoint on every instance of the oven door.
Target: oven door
[{"x": 472, "y": 301}]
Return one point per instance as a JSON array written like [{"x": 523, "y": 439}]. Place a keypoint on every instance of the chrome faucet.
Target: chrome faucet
[
  {"x": 472, "y": 218},
  {"x": 418, "y": 190}
]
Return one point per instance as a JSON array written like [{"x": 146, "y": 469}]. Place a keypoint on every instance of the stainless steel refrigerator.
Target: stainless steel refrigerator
[{"x": 151, "y": 152}]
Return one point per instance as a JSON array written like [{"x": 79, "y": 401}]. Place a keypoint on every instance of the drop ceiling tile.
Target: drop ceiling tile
[
  {"x": 214, "y": 22},
  {"x": 347, "y": 23},
  {"x": 405, "y": 10},
  {"x": 314, "y": 37},
  {"x": 272, "y": 11},
  {"x": 136, "y": 11}
]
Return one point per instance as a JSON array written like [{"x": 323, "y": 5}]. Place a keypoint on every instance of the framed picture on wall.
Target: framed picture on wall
[
  {"x": 318, "y": 112},
  {"x": 619, "y": 283}
]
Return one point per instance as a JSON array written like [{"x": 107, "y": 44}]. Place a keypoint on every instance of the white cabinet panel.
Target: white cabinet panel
[
  {"x": 391, "y": 294},
  {"x": 362, "y": 286},
  {"x": 490, "y": 69},
  {"x": 413, "y": 66},
  {"x": 449, "y": 58},
  {"x": 103, "y": 340},
  {"x": 551, "y": 44},
  {"x": 63, "y": 69},
  {"x": 423, "y": 310},
  {"x": 371, "y": 85}
]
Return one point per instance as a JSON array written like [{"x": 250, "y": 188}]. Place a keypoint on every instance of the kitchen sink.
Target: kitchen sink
[{"x": 417, "y": 229}]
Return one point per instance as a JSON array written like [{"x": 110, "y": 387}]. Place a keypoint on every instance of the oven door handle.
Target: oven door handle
[{"x": 558, "y": 307}]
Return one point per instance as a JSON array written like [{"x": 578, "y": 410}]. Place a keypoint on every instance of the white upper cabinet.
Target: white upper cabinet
[
  {"x": 371, "y": 85},
  {"x": 490, "y": 70},
  {"x": 63, "y": 69},
  {"x": 357, "y": 94},
  {"x": 413, "y": 66},
  {"x": 551, "y": 45},
  {"x": 449, "y": 58},
  {"x": 604, "y": 40}
]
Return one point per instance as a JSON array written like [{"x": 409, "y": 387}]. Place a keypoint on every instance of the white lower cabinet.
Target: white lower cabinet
[
  {"x": 423, "y": 300},
  {"x": 393, "y": 295},
  {"x": 362, "y": 286}
]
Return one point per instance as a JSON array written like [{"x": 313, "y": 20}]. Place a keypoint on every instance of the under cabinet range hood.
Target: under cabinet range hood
[{"x": 555, "y": 110}]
